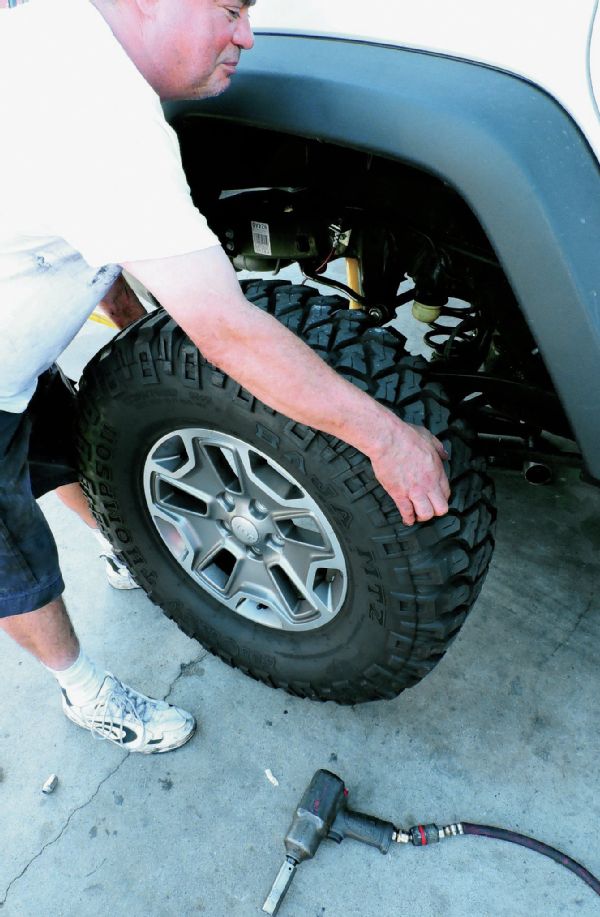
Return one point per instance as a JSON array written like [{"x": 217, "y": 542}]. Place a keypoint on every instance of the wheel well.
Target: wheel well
[
  {"x": 427, "y": 227},
  {"x": 398, "y": 221},
  {"x": 240, "y": 157}
]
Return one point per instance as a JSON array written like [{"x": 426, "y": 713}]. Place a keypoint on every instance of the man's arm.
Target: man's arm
[{"x": 201, "y": 292}]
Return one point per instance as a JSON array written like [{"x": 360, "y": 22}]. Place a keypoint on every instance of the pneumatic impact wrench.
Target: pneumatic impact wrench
[{"x": 322, "y": 813}]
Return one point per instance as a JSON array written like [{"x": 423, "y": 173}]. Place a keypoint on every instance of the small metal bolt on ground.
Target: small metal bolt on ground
[{"x": 50, "y": 784}]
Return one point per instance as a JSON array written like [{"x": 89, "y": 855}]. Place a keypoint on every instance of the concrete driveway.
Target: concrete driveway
[{"x": 505, "y": 731}]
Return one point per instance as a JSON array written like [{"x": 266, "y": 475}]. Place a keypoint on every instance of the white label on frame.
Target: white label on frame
[{"x": 261, "y": 238}]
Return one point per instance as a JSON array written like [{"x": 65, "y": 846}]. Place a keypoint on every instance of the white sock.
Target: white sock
[
  {"x": 81, "y": 681},
  {"x": 104, "y": 543}
]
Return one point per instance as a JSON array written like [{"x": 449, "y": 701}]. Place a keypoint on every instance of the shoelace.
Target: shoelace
[
  {"x": 115, "y": 563},
  {"x": 119, "y": 701},
  {"x": 107, "y": 552}
]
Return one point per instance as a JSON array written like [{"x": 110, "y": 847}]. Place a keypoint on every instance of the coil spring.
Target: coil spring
[{"x": 456, "y": 331}]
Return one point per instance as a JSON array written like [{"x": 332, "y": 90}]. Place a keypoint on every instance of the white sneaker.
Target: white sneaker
[
  {"x": 132, "y": 720},
  {"x": 117, "y": 573}
]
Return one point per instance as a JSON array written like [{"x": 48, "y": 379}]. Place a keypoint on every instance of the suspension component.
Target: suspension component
[
  {"x": 456, "y": 330},
  {"x": 427, "y": 314}
]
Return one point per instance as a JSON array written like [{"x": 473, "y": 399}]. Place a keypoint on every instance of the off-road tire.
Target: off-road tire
[{"x": 409, "y": 588}]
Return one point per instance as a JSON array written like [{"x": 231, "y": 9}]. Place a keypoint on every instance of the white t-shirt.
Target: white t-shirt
[{"x": 90, "y": 177}]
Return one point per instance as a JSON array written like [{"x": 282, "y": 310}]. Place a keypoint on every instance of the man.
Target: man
[{"x": 91, "y": 182}]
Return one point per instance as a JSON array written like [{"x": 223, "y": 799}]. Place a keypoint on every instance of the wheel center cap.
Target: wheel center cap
[{"x": 243, "y": 529}]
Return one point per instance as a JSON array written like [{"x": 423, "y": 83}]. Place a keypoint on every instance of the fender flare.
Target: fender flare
[{"x": 509, "y": 149}]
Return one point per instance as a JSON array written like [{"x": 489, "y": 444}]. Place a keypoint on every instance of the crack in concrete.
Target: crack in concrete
[
  {"x": 184, "y": 668},
  {"x": 568, "y": 636},
  {"x": 87, "y": 875},
  {"x": 63, "y": 829}
]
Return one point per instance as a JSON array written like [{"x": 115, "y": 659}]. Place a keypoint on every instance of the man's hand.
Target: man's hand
[
  {"x": 201, "y": 292},
  {"x": 407, "y": 461}
]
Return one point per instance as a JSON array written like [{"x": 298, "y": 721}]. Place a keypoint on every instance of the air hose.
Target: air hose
[{"x": 423, "y": 835}]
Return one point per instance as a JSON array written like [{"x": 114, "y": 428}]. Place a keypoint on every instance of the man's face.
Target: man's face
[{"x": 195, "y": 45}]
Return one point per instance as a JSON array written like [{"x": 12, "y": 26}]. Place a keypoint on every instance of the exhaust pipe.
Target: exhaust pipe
[{"x": 537, "y": 473}]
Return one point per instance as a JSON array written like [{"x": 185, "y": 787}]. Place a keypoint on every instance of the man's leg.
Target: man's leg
[
  {"x": 116, "y": 572},
  {"x": 93, "y": 698},
  {"x": 34, "y": 615},
  {"x": 47, "y": 634},
  {"x": 73, "y": 496}
]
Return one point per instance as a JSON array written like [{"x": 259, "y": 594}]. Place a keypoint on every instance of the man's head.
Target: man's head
[{"x": 186, "y": 49}]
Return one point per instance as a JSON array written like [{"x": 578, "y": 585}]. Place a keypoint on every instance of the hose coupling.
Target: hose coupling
[
  {"x": 424, "y": 835},
  {"x": 451, "y": 831}
]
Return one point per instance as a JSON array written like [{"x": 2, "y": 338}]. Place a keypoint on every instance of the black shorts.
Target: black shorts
[{"x": 37, "y": 454}]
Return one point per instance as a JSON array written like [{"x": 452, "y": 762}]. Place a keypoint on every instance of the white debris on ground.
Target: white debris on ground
[{"x": 271, "y": 778}]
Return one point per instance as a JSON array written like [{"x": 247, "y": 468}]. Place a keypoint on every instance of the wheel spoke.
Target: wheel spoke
[
  {"x": 203, "y": 479},
  {"x": 249, "y": 579},
  {"x": 210, "y": 541},
  {"x": 297, "y": 561},
  {"x": 262, "y": 481},
  {"x": 176, "y": 499},
  {"x": 186, "y": 465},
  {"x": 222, "y": 464},
  {"x": 303, "y": 529},
  {"x": 192, "y": 538},
  {"x": 297, "y": 584}
]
